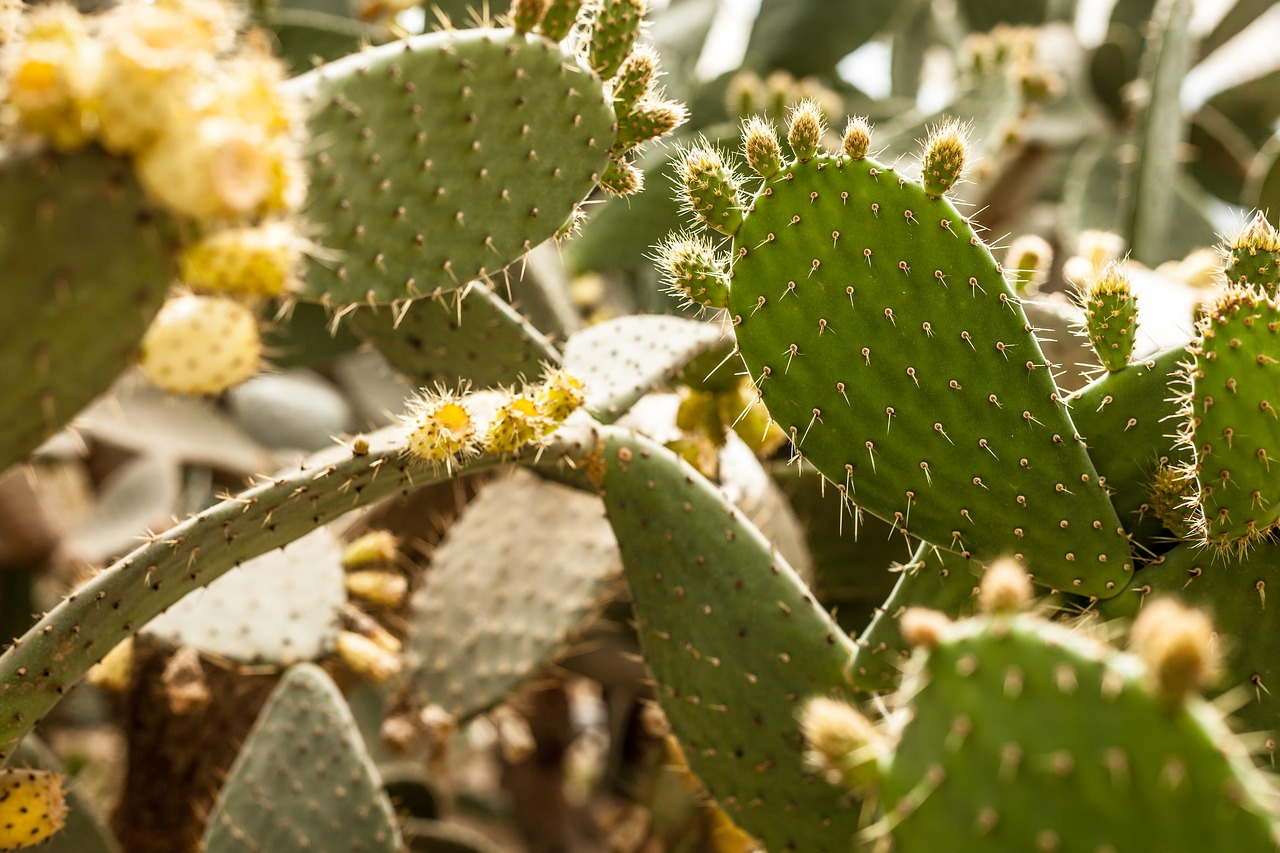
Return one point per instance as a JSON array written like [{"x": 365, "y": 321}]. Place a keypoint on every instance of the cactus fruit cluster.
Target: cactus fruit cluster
[{"x": 779, "y": 515}]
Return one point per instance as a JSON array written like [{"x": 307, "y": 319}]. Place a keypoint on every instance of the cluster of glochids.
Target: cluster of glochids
[
  {"x": 33, "y": 806},
  {"x": 631, "y": 69},
  {"x": 201, "y": 111},
  {"x": 694, "y": 267},
  {"x": 447, "y": 427},
  {"x": 374, "y": 579}
]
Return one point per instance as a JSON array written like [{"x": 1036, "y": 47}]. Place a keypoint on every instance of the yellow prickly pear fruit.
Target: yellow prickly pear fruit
[
  {"x": 115, "y": 671},
  {"x": 212, "y": 169},
  {"x": 10, "y": 20},
  {"x": 514, "y": 425},
  {"x": 32, "y": 807},
  {"x": 366, "y": 657},
  {"x": 382, "y": 588},
  {"x": 201, "y": 345},
  {"x": 443, "y": 429},
  {"x": 260, "y": 260},
  {"x": 378, "y": 548},
  {"x": 53, "y": 76},
  {"x": 559, "y": 396}
]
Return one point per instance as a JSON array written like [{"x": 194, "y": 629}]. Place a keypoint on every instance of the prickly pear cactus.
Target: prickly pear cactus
[
  {"x": 303, "y": 780},
  {"x": 1013, "y": 733},
  {"x": 449, "y": 155},
  {"x": 886, "y": 341}
]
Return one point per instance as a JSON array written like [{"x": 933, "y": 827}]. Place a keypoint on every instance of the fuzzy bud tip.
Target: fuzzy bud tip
[
  {"x": 1178, "y": 646},
  {"x": 857, "y": 138},
  {"x": 1005, "y": 588}
]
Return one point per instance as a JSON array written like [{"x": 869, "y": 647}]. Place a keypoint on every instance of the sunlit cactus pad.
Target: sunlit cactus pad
[{"x": 443, "y": 158}]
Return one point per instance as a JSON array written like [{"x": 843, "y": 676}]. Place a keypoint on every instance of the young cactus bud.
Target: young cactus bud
[
  {"x": 1111, "y": 316},
  {"x": 367, "y": 658},
  {"x": 944, "y": 156},
  {"x": 760, "y": 145},
  {"x": 710, "y": 190},
  {"x": 923, "y": 628},
  {"x": 559, "y": 18},
  {"x": 1179, "y": 648},
  {"x": 201, "y": 345},
  {"x": 621, "y": 178},
  {"x": 857, "y": 138},
  {"x": 634, "y": 80},
  {"x": 443, "y": 429},
  {"x": 1254, "y": 255},
  {"x": 32, "y": 807},
  {"x": 745, "y": 95},
  {"x": 378, "y": 548},
  {"x": 261, "y": 260},
  {"x": 525, "y": 14},
  {"x": 652, "y": 118},
  {"x": 841, "y": 743},
  {"x": 1005, "y": 588},
  {"x": 378, "y": 587},
  {"x": 1028, "y": 261},
  {"x": 1171, "y": 496},
  {"x": 515, "y": 425},
  {"x": 805, "y": 129},
  {"x": 616, "y": 28},
  {"x": 692, "y": 269},
  {"x": 559, "y": 396},
  {"x": 53, "y": 75}
]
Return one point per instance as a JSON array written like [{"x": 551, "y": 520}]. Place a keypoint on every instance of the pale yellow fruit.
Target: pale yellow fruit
[
  {"x": 201, "y": 345},
  {"x": 260, "y": 260},
  {"x": 32, "y": 807}
]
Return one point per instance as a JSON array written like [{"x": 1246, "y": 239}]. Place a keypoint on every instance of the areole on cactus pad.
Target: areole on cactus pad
[{"x": 886, "y": 341}]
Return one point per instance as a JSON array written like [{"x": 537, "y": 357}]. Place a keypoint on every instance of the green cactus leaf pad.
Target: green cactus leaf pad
[
  {"x": 937, "y": 579},
  {"x": 1234, "y": 411},
  {"x": 735, "y": 642},
  {"x": 1027, "y": 735},
  {"x": 443, "y": 158},
  {"x": 1128, "y": 420},
  {"x": 135, "y": 589},
  {"x": 515, "y": 576},
  {"x": 280, "y": 608},
  {"x": 478, "y": 339},
  {"x": 619, "y": 361},
  {"x": 887, "y": 342},
  {"x": 303, "y": 780},
  {"x": 79, "y": 289},
  {"x": 1235, "y": 593}
]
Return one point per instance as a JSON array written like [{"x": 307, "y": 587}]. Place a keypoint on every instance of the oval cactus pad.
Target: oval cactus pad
[
  {"x": 443, "y": 158},
  {"x": 885, "y": 340}
]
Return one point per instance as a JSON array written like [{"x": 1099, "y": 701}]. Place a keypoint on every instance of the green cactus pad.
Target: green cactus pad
[
  {"x": 280, "y": 608},
  {"x": 937, "y": 579},
  {"x": 1253, "y": 256},
  {"x": 735, "y": 642},
  {"x": 1027, "y": 735},
  {"x": 478, "y": 339},
  {"x": 513, "y": 579},
  {"x": 79, "y": 289},
  {"x": 135, "y": 589},
  {"x": 1111, "y": 317},
  {"x": 303, "y": 780},
  {"x": 1234, "y": 418},
  {"x": 616, "y": 27},
  {"x": 1235, "y": 592},
  {"x": 886, "y": 340},
  {"x": 443, "y": 158},
  {"x": 619, "y": 361},
  {"x": 1128, "y": 420}
]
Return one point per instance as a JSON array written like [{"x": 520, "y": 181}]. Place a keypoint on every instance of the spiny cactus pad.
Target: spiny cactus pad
[
  {"x": 887, "y": 342},
  {"x": 79, "y": 290},
  {"x": 620, "y": 360},
  {"x": 735, "y": 642},
  {"x": 443, "y": 158},
  {"x": 1023, "y": 735},
  {"x": 1253, "y": 255},
  {"x": 514, "y": 578},
  {"x": 280, "y": 608},
  {"x": 937, "y": 579},
  {"x": 138, "y": 587},
  {"x": 1128, "y": 420},
  {"x": 1233, "y": 421},
  {"x": 303, "y": 780},
  {"x": 478, "y": 339}
]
